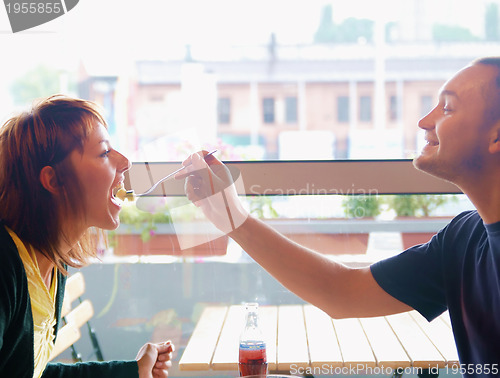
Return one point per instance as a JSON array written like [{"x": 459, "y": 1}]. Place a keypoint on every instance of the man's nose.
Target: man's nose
[{"x": 427, "y": 121}]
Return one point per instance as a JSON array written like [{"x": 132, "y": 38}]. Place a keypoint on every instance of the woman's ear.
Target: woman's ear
[{"x": 49, "y": 180}]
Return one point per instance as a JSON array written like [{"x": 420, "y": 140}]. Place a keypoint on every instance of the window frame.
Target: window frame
[{"x": 307, "y": 177}]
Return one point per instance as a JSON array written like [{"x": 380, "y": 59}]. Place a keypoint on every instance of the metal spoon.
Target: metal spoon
[{"x": 130, "y": 193}]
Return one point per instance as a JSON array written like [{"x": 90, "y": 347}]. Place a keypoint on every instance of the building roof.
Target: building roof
[{"x": 322, "y": 65}]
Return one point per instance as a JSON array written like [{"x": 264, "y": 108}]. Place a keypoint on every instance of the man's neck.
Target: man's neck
[{"x": 486, "y": 198}]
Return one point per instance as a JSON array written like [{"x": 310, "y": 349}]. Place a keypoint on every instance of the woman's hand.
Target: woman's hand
[
  {"x": 210, "y": 186},
  {"x": 154, "y": 360}
]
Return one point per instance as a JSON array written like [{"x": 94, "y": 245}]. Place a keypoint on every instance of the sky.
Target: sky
[
  {"x": 151, "y": 26},
  {"x": 110, "y": 32}
]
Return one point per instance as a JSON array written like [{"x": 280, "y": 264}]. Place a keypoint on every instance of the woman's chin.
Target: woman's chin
[{"x": 110, "y": 223}]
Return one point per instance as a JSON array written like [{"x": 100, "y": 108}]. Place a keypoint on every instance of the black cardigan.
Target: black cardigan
[{"x": 16, "y": 326}]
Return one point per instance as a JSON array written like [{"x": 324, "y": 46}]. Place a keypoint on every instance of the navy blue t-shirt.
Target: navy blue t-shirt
[{"x": 458, "y": 270}]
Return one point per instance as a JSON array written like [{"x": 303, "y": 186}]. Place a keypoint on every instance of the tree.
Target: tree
[
  {"x": 39, "y": 82},
  {"x": 350, "y": 30},
  {"x": 326, "y": 28},
  {"x": 492, "y": 30},
  {"x": 451, "y": 33}
]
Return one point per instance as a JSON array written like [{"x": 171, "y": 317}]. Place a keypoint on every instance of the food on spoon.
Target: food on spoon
[
  {"x": 130, "y": 195},
  {"x": 124, "y": 194}
]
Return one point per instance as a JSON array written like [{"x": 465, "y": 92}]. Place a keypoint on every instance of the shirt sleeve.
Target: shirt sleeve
[
  {"x": 16, "y": 325},
  {"x": 415, "y": 277},
  {"x": 122, "y": 369}
]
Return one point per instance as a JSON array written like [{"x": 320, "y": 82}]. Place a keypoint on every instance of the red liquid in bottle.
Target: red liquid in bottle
[{"x": 253, "y": 359}]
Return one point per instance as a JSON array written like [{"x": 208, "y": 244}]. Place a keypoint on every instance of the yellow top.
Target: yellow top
[{"x": 43, "y": 305}]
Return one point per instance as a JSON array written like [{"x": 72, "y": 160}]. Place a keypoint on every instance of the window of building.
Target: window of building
[
  {"x": 343, "y": 109},
  {"x": 365, "y": 108},
  {"x": 425, "y": 105},
  {"x": 393, "y": 108},
  {"x": 268, "y": 109},
  {"x": 224, "y": 110},
  {"x": 291, "y": 110},
  {"x": 156, "y": 98}
]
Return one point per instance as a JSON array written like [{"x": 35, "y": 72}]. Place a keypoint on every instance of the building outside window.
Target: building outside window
[
  {"x": 268, "y": 110},
  {"x": 291, "y": 110},
  {"x": 224, "y": 110}
]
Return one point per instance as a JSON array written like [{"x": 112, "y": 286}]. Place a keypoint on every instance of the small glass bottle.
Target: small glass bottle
[{"x": 252, "y": 356}]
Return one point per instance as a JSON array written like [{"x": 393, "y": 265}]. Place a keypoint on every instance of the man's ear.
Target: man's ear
[
  {"x": 49, "y": 180},
  {"x": 494, "y": 146}
]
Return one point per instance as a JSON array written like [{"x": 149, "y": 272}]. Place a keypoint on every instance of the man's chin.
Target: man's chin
[
  {"x": 424, "y": 164},
  {"x": 419, "y": 163},
  {"x": 430, "y": 167}
]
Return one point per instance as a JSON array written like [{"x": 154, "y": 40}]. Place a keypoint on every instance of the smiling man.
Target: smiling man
[
  {"x": 462, "y": 133},
  {"x": 458, "y": 270}
]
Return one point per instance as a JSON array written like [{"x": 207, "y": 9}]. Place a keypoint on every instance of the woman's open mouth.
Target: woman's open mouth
[
  {"x": 119, "y": 192},
  {"x": 116, "y": 193}
]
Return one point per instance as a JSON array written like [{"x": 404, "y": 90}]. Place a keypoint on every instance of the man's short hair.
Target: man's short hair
[{"x": 493, "y": 110}]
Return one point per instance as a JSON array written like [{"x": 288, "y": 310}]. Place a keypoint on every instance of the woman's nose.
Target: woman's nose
[{"x": 124, "y": 163}]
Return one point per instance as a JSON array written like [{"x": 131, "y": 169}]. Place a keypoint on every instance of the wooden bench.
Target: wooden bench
[{"x": 74, "y": 319}]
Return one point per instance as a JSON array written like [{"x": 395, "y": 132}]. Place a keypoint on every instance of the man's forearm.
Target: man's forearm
[
  {"x": 339, "y": 290},
  {"x": 310, "y": 275}
]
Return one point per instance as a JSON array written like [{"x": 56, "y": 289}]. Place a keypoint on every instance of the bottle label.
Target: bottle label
[{"x": 253, "y": 345}]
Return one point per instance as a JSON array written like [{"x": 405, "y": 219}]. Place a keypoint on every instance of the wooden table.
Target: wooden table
[{"x": 303, "y": 339}]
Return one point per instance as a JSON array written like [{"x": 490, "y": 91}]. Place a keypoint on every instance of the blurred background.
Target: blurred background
[{"x": 271, "y": 79}]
